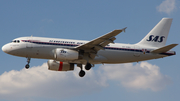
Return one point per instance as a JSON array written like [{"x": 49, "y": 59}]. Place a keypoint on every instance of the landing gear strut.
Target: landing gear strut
[{"x": 28, "y": 61}]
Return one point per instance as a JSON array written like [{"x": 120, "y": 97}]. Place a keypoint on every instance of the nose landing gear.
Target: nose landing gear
[{"x": 28, "y": 61}]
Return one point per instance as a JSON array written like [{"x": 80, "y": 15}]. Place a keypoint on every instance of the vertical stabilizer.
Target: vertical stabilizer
[{"x": 158, "y": 35}]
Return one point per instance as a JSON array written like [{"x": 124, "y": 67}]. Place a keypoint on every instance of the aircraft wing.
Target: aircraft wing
[{"x": 93, "y": 46}]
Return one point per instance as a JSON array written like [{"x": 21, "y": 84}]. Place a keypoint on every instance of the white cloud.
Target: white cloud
[
  {"x": 166, "y": 6},
  {"x": 141, "y": 76},
  {"x": 40, "y": 82}
]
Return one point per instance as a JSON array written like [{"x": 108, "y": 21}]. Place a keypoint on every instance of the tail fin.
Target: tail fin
[{"x": 158, "y": 35}]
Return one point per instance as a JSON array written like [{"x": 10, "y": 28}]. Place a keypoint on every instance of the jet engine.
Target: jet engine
[
  {"x": 60, "y": 66},
  {"x": 61, "y": 54}
]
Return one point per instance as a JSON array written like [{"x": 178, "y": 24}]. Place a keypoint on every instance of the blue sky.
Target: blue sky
[{"x": 85, "y": 20}]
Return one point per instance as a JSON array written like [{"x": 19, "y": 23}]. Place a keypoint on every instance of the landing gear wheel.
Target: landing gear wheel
[
  {"x": 28, "y": 61},
  {"x": 82, "y": 73},
  {"x": 88, "y": 66},
  {"x": 27, "y": 66}
]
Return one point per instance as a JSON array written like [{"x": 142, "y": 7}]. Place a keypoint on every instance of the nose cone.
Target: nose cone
[{"x": 5, "y": 48}]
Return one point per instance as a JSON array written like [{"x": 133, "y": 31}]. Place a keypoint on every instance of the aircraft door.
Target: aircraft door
[
  {"x": 137, "y": 51},
  {"x": 29, "y": 43},
  {"x": 29, "y": 47}
]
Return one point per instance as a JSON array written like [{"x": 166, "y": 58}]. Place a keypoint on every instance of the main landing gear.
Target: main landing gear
[
  {"x": 28, "y": 61},
  {"x": 82, "y": 72},
  {"x": 88, "y": 66}
]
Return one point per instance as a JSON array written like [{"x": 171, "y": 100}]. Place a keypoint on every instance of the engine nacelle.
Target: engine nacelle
[
  {"x": 61, "y": 54},
  {"x": 60, "y": 66}
]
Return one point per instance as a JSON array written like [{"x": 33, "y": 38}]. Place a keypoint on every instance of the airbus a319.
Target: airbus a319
[{"x": 64, "y": 54}]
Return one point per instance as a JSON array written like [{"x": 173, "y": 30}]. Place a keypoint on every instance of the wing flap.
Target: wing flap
[
  {"x": 164, "y": 49},
  {"x": 100, "y": 42}
]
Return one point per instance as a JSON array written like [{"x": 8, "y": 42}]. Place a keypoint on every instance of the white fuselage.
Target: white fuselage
[
  {"x": 64, "y": 53},
  {"x": 43, "y": 48}
]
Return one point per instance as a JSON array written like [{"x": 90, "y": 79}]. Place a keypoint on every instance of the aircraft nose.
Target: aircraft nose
[{"x": 5, "y": 48}]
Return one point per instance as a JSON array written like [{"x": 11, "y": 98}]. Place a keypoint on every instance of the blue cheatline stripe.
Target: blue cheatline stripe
[
  {"x": 110, "y": 48},
  {"x": 48, "y": 43}
]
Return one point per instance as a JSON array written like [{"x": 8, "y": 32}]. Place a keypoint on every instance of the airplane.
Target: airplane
[{"x": 64, "y": 54}]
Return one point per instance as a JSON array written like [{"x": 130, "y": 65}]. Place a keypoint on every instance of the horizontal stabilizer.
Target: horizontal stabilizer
[{"x": 164, "y": 49}]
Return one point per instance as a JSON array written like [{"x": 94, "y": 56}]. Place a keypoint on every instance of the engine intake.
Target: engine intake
[{"x": 60, "y": 66}]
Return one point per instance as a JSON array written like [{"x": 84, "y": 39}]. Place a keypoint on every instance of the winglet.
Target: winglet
[
  {"x": 164, "y": 49},
  {"x": 124, "y": 29}
]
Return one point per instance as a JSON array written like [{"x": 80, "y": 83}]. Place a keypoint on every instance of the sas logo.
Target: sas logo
[{"x": 156, "y": 38}]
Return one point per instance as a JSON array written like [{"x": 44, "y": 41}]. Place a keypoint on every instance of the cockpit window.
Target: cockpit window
[{"x": 15, "y": 41}]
